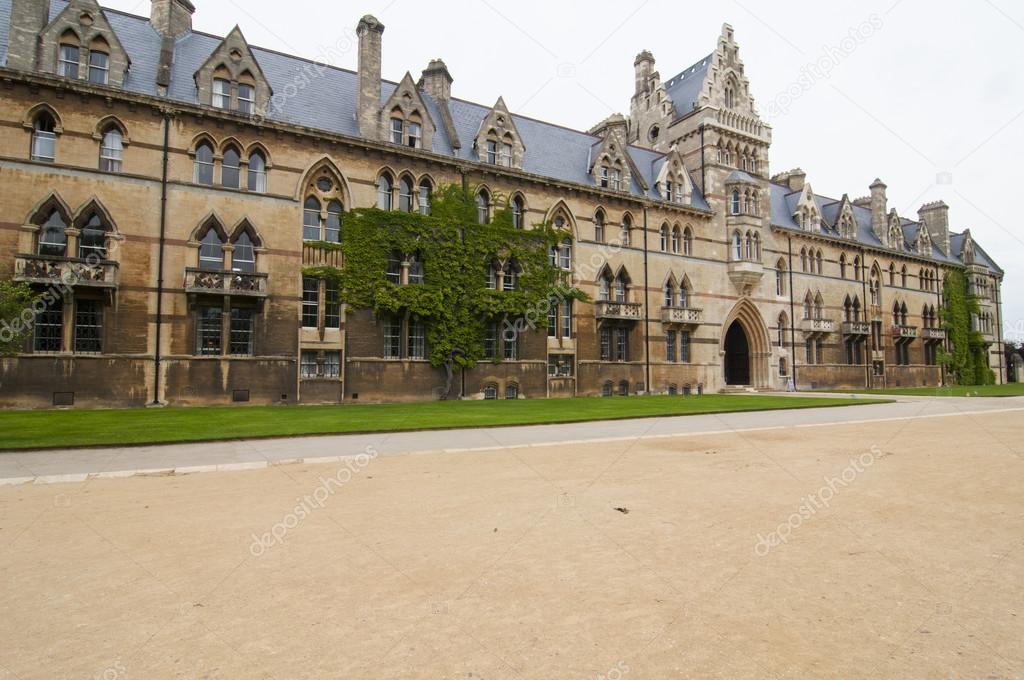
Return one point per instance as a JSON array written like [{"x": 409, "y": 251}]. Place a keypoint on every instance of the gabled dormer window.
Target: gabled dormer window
[
  {"x": 68, "y": 56},
  {"x": 415, "y": 135},
  {"x": 246, "y": 98},
  {"x": 221, "y": 94},
  {"x": 99, "y": 62},
  {"x": 397, "y": 130}
]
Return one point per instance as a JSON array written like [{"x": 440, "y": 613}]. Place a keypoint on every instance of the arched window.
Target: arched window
[
  {"x": 68, "y": 55},
  {"x": 604, "y": 286},
  {"x": 99, "y": 62},
  {"x": 385, "y": 191},
  {"x": 221, "y": 92},
  {"x": 405, "y": 194},
  {"x": 737, "y": 246},
  {"x": 664, "y": 238},
  {"x": 92, "y": 240},
  {"x": 623, "y": 388},
  {"x": 903, "y": 276},
  {"x": 599, "y": 226},
  {"x": 803, "y": 259},
  {"x": 757, "y": 247},
  {"x": 230, "y": 169},
  {"x": 112, "y": 150},
  {"x": 53, "y": 241},
  {"x": 896, "y": 314},
  {"x": 735, "y": 206},
  {"x": 211, "y": 251},
  {"x": 819, "y": 259},
  {"x": 808, "y": 306},
  {"x": 783, "y": 367},
  {"x": 903, "y": 314},
  {"x": 621, "y": 288},
  {"x": 204, "y": 164},
  {"x": 332, "y": 229},
  {"x": 687, "y": 241},
  {"x": 842, "y": 266},
  {"x": 311, "y": 220},
  {"x": 246, "y": 94},
  {"x": 848, "y": 310},
  {"x": 670, "y": 295},
  {"x": 892, "y": 274},
  {"x": 856, "y": 268},
  {"x": 510, "y": 276},
  {"x": 518, "y": 212},
  {"x": 780, "y": 277},
  {"x": 627, "y": 229},
  {"x": 819, "y": 306},
  {"x": 257, "y": 172},
  {"x": 875, "y": 288},
  {"x": 856, "y": 308},
  {"x": 748, "y": 247},
  {"x": 426, "y": 193},
  {"x": 781, "y": 333},
  {"x": 44, "y": 138},
  {"x": 606, "y": 388},
  {"x": 565, "y": 254},
  {"x": 417, "y": 273},
  {"x": 676, "y": 238},
  {"x": 243, "y": 257},
  {"x": 483, "y": 207},
  {"x": 684, "y": 294}
]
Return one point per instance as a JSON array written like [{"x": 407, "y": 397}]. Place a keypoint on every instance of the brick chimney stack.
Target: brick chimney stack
[{"x": 171, "y": 18}]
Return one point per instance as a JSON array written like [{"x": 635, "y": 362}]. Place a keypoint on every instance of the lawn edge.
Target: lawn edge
[{"x": 208, "y": 440}]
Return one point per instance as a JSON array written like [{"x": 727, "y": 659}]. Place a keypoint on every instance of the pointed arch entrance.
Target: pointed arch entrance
[{"x": 745, "y": 347}]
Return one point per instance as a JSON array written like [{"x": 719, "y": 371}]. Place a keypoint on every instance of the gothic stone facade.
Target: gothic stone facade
[{"x": 168, "y": 186}]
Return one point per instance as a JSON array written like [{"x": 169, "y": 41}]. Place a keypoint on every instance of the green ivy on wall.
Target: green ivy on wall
[
  {"x": 966, "y": 362},
  {"x": 454, "y": 302}
]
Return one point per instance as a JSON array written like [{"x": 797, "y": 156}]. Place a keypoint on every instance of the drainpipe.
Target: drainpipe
[
  {"x": 792, "y": 315},
  {"x": 867, "y": 303},
  {"x": 703, "y": 178},
  {"x": 999, "y": 332},
  {"x": 647, "y": 316},
  {"x": 938, "y": 306},
  {"x": 160, "y": 258}
]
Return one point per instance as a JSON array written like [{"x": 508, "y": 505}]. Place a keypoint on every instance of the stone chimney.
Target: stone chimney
[
  {"x": 644, "y": 67},
  {"x": 437, "y": 81},
  {"x": 936, "y": 217},
  {"x": 879, "y": 203},
  {"x": 370, "y": 32},
  {"x": 28, "y": 18},
  {"x": 794, "y": 179},
  {"x": 171, "y": 18}
]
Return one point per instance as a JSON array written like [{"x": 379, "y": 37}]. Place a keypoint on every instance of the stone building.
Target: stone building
[{"x": 170, "y": 187}]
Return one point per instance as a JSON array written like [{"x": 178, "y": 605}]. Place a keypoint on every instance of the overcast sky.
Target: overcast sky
[{"x": 925, "y": 95}]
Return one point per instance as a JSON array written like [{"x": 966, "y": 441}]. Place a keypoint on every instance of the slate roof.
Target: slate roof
[
  {"x": 329, "y": 103},
  {"x": 684, "y": 88}
]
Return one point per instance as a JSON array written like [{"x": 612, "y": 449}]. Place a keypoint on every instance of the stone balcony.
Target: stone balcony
[
  {"x": 66, "y": 271},
  {"x": 625, "y": 311},
  {"x": 235, "y": 284},
  {"x": 856, "y": 328},
  {"x": 904, "y": 332},
  {"x": 745, "y": 274},
  {"x": 818, "y": 326},
  {"x": 683, "y": 316},
  {"x": 933, "y": 333}
]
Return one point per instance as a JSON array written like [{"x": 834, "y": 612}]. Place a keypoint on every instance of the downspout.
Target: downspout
[
  {"x": 867, "y": 303},
  {"x": 703, "y": 178},
  {"x": 792, "y": 314},
  {"x": 647, "y": 315},
  {"x": 939, "y": 284},
  {"x": 160, "y": 258},
  {"x": 999, "y": 333}
]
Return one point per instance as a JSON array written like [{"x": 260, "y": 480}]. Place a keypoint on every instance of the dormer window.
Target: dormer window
[
  {"x": 506, "y": 154},
  {"x": 415, "y": 135},
  {"x": 397, "y": 131},
  {"x": 67, "y": 64},
  {"x": 99, "y": 67},
  {"x": 492, "y": 151},
  {"x": 221, "y": 94},
  {"x": 246, "y": 98}
]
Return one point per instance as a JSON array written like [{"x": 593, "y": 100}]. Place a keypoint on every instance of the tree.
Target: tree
[{"x": 16, "y": 315}]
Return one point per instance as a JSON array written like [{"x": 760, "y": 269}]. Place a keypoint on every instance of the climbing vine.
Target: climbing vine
[
  {"x": 966, "y": 361},
  {"x": 453, "y": 301}
]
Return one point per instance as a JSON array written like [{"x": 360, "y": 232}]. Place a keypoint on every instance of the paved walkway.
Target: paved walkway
[{"x": 75, "y": 465}]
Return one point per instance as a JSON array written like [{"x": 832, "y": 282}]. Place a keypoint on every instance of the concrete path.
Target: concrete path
[{"x": 76, "y": 465}]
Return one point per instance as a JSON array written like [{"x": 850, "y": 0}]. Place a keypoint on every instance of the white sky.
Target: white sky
[{"x": 928, "y": 88}]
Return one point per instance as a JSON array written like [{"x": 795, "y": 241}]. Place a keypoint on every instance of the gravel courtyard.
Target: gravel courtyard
[{"x": 880, "y": 550}]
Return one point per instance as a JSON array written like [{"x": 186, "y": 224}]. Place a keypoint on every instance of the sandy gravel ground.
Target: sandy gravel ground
[{"x": 892, "y": 550}]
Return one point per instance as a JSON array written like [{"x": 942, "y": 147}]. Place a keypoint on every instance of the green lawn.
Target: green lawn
[
  {"x": 1008, "y": 390},
  {"x": 60, "y": 429}
]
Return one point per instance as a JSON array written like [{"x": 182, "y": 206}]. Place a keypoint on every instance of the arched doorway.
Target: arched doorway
[
  {"x": 745, "y": 349},
  {"x": 737, "y": 356}
]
